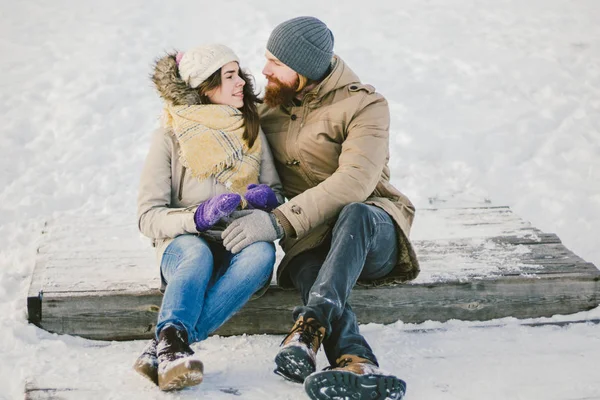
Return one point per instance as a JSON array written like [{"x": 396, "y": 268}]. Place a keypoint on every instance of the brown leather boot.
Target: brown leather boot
[
  {"x": 354, "y": 378},
  {"x": 297, "y": 357},
  {"x": 177, "y": 368},
  {"x": 147, "y": 363}
]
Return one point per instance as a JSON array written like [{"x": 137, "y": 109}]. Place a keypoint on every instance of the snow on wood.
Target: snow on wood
[{"x": 96, "y": 277}]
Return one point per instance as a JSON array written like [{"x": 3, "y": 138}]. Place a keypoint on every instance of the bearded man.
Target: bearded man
[{"x": 343, "y": 222}]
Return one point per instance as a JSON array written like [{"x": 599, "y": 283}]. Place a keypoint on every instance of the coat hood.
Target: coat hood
[
  {"x": 169, "y": 84},
  {"x": 340, "y": 76}
]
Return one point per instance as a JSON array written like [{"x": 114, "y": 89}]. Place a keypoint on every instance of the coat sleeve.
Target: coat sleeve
[
  {"x": 156, "y": 219},
  {"x": 361, "y": 162},
  {"x": 268, "y": 172}
]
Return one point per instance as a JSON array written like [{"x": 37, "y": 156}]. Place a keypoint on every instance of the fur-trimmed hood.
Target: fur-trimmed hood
[{"x": 169, "y": 84}]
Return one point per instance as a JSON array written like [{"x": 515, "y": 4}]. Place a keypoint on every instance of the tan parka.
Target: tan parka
[
  {"x": 168, "y": 195},
  {"x": 331, "y": 151}
]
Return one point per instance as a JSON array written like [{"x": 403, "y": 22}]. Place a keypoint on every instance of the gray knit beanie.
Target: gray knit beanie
[{"x": 304, "y": 44}]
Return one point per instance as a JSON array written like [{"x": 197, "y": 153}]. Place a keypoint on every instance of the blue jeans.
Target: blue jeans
[
  {"x": 364, "y": 244},
  {"x": 206, "y": 284}
]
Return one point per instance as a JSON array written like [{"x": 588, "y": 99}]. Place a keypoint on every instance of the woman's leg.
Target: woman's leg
[
  {"x": 246, "y": 272},
  {"x": 186, "y": 266}
]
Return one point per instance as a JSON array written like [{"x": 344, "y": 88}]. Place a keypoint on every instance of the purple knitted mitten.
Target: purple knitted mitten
[
  {"x": 212, "y": 210},
  {"x": 261, "y": 197}
]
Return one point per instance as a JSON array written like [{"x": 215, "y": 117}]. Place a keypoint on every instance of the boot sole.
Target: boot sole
[
  {"x": 344, "y": 385},
  {"x": 147, "y": 370},
  {"x": 294, "y": 364},
  {"x": 186, "y": 374}
]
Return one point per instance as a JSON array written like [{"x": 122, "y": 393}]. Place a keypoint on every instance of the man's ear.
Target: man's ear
[{"x": 302, "y": 81}]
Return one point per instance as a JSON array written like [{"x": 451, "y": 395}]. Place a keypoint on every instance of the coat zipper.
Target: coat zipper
[
  {"x": 303, "y": 168},
  {"x": 180, "y": 194}
]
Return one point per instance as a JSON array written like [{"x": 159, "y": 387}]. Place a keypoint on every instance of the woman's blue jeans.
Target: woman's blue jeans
[{"x": 206, "y": 284}]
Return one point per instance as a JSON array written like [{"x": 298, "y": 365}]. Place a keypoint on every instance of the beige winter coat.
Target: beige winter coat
[
  {"x": 168, "y": 196},
  {"x": 331, "y": 151}
]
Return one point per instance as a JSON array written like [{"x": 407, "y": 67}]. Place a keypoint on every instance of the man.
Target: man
[{"x": 344, "y": 222}]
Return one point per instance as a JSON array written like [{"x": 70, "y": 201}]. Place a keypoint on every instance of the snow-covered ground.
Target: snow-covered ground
[{"x": 491, "y": 101}]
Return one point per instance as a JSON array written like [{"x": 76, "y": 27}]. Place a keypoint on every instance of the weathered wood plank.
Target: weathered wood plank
[
  {"x": 46, "y": 393},
  {"x": 85, "y": 271},
  {"x": 478, "y": 264},
  {"x": 100, "y": 252},
  {"x": 119, "y": 316},
  {"x": 528, "y": 239},
  {"x": 36, "y": 286},
  {"x": 96, "y": 253},
  {"x": 494, "y": 258},
  {"x": 433, "y": 224},
  {"x": 100, "y": 315},
  {"x": 84, "y": 391},
  {"x": 475, "y": 259}
]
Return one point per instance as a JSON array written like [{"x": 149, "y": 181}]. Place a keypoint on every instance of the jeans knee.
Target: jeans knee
[
  {"x": 189, "y": 251},
  {"x": 192, "y": 246},
  {"x": 261, "y": 252},
  {"x": 260, "y": 257},
  {"x": 355, "y": 210},
  {"x": 354, "y": 216}
]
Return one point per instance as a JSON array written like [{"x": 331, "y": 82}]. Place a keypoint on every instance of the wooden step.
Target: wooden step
[{"x": 97, "y": 277}]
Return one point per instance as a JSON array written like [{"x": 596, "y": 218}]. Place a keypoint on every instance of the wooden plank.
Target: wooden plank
[
  {"x": 100, "y": 252},
  {"x": 36, "y": 285},
  {"x": 433, "y": 224},
  {"x": 476, "y": 257},
  {"x": 91, "y": 253},
  {"x": 102, "y": 315},
  {"x": 539, "y": 238},
  {"x": 478, "y": 264},
  {"x": 493, "y": 258},
  {"x": 84, "y": 391},
  {"x": 47, "y": 393},
  {"x": 115, "y": 316}
]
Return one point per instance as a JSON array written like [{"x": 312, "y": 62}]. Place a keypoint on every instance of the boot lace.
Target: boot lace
[
  {"x": 308, "y": 332},
  {"x": 342, "y": 364}
]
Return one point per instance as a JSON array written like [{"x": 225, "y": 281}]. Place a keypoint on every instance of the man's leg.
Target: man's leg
[
  {"x": 363, "y": 244},
  {"x": 344, "y": 337},
  {"x": 297, "y": 357},
  {"x": 362, "y": 235}
]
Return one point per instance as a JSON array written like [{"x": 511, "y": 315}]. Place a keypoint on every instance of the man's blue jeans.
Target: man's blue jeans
[
  {"x": 206, "y": 284},
  {"x": 364, "y": 244}
]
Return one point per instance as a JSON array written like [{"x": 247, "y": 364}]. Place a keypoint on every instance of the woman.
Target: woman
[{"x": 209, "y": 159}]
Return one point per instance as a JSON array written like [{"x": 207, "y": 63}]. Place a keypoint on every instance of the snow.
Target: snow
[{"x": 492, "y": 102}]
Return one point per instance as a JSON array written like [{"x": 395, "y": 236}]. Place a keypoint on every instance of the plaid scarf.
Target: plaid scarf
[{"x": 211, "y": 144}]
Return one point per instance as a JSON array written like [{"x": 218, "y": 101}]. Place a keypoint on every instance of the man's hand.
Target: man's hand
[{"x": 251, "y": 227}]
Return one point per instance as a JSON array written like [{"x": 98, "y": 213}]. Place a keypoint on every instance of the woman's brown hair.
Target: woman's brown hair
[{"x": 249, "y": 110}]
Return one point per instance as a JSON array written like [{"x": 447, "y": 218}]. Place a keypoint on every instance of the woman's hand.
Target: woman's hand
[
  {"x": 212, "y": 210},
  {"x": 261, "y": 197}
]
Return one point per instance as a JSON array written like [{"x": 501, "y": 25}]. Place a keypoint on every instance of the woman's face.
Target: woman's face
[{"x": 231, "y": 91}]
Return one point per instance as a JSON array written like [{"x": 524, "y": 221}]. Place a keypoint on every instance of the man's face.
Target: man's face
[
  {"x": 275, "y": 69},
  {"x": 282, "y": 82}
]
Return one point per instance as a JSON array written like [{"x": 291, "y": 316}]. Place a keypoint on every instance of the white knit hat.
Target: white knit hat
[{"x": 198, "y": 64}]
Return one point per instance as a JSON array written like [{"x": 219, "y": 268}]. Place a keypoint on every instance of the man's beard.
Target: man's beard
[{"x": 279, "y": 93}]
